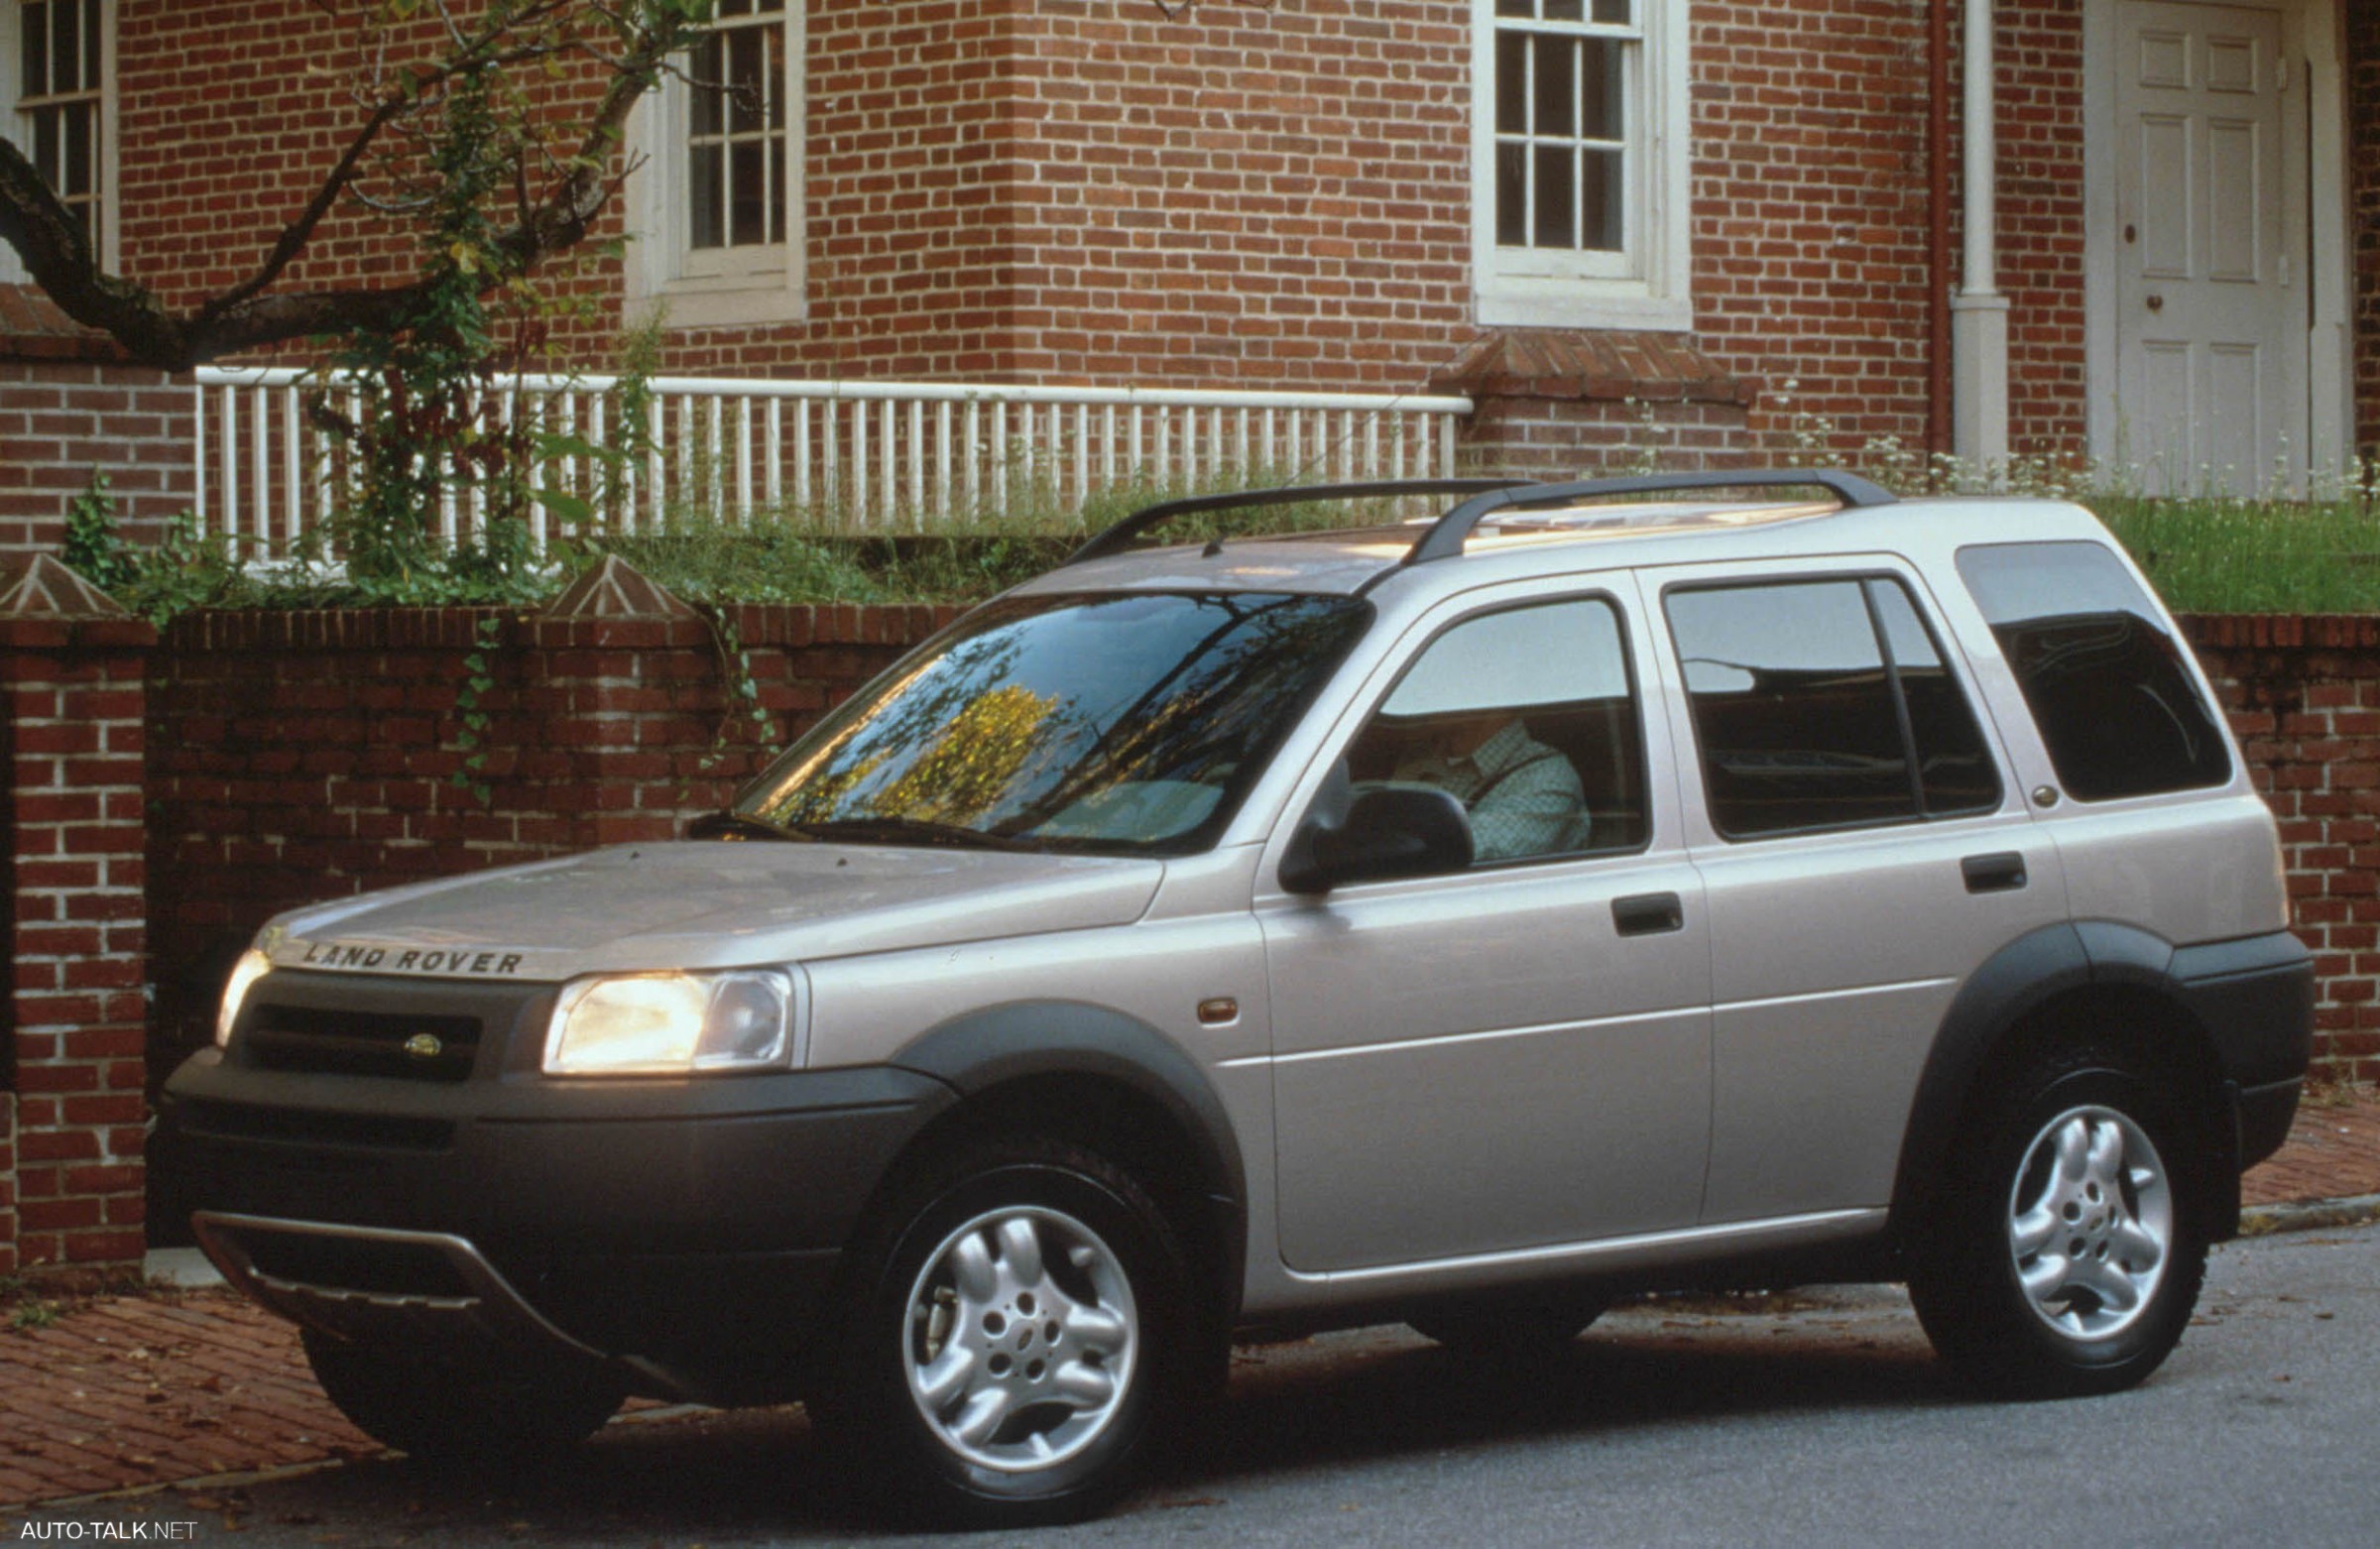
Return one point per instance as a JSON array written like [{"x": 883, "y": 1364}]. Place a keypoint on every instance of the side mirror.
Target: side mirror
[{"x": 1399, "y": 831}]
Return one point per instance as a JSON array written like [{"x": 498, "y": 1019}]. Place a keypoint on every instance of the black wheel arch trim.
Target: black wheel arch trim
[
  {"x": 2251, "y": 998},
  {"x": 980, "y": 1051}
]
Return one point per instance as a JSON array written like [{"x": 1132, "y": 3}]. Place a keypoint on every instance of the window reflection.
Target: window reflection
[{"x": 1125, "y": 722}]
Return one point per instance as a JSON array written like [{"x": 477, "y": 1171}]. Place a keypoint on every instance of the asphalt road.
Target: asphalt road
[{"x": 1818, "y": 1421}]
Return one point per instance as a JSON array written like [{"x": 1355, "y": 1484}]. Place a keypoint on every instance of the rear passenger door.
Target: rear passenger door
[{"x": 1862, "y": 848}]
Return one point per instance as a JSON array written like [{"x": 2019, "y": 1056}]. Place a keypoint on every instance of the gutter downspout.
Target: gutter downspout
[
  {"x": 1937, "y": 236},
  {"x": 1979, "y": 313}
]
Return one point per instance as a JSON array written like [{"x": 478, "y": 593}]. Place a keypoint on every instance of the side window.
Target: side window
[
  {"x": 1529, "y": 718},
  {"x": 2117, "y": 709},
  {"x": 1824, "y": 704}
]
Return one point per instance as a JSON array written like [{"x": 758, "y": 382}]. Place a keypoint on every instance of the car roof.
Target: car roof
[{"x": 1518, "y": 543}]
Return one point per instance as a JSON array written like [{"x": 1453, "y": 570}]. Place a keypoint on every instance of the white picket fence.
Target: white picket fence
[{"x": 863, "y": 455}]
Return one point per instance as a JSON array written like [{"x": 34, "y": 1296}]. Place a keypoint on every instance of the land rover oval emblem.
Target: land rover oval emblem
[{"x": 424, "y": 1046}]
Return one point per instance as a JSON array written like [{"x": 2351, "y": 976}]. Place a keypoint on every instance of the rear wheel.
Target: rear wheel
[
  {"x": 462, "y": 1412},
  {"x": 1019, "y": 1327},
  {"x": 2070, "y": 1249}
]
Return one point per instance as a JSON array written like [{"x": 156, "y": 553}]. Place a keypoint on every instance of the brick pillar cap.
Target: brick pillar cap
[
  {"x": 44, "y": 587},
  {"x": 616, "y": 590},
  {"x": 1578, "y": 364}
]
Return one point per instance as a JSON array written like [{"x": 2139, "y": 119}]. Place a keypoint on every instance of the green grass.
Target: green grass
[
  {"x": 2204, "y": 555},
  {"x": 2252, "y": 556}
]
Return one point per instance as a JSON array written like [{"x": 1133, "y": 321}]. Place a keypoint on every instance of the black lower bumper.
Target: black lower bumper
[{"x": 685, "y": 1229}]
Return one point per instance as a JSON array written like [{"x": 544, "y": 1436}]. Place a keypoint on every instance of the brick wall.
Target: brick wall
[
  {"x": 75, "y": 897},
  {"x": 1275, "y": 195},
  {"x": 2305, "y": 700},
  {"x": 2041, "y": 209},
  {"x": 307, "y": 756},
  {"x": 61, "y": 420}
]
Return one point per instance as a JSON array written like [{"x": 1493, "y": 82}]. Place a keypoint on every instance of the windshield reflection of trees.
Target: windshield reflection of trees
[{"x": 969, "y": 740}]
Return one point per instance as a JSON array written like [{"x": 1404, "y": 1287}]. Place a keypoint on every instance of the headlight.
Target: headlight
[
  {"x": 648, "y": 1024},
  {"x": 252, "y": 966}
]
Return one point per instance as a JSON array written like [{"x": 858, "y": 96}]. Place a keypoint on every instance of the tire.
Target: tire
[
  {"x": 473, "y": 1413},
  {"x": 1504, "y": 1333},
  {"x": 2070, "y": 1245},
  {"x": 1019, "y": 1327}
]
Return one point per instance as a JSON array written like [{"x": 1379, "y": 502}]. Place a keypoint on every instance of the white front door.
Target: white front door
[{"x": 2210, "y": 284}]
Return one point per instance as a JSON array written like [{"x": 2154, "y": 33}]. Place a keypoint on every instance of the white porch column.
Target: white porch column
[{"x": 1980, "y": 312}]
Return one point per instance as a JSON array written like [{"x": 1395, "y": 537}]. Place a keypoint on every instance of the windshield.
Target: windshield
[{"x": 1126, "y": 723}]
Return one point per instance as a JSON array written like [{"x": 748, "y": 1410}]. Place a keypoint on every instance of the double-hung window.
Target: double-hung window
[
  {"x": 54, "y": 105},
  {"x": 719, "y": 214},
  {"x": 1579, "y": 190}
]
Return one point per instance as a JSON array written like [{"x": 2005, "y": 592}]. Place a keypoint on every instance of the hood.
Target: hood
[{"x": 709, "y": 904}]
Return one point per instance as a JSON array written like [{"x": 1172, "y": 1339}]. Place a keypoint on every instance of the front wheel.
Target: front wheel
[
  {"x": 2070, "y": 1252},
  {"x": 1021, "y": 1325}
]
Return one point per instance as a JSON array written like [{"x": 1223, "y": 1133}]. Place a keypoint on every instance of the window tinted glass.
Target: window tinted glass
[
  {"x": 1128, "y": 723},
  {"x": 1528, "y": 718},
  {"x": 1792, "y": 707},
  {"x": 2106, "y": 684},
  {"x": 1823, "y": 704},
  {"x": 1955, "y": 769}
]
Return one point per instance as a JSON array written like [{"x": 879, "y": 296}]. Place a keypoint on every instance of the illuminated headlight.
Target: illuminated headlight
[
  {"x": 252, "y": 966},
  {"x": 651, "y": 1024}
]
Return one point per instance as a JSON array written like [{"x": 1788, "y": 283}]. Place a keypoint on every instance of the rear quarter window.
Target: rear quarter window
[{"x": 2115, "y": 704}]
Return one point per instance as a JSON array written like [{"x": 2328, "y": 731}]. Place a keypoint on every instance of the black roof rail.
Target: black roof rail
[
  {"x": 1116, "y": 538},
  {"x": 1444, "y": 540}
]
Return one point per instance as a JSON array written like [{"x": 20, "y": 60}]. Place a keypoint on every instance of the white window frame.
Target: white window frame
[
  {"x": 110, "y": 246},
  {"x": 713, "y": 288},
  {"x": 1646, "y": 287}
]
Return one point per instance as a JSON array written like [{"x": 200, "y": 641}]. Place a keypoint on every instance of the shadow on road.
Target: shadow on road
[{"x": 1315, "y": 1407}]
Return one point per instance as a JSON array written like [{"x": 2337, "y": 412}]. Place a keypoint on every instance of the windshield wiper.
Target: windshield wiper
[
  {"x": 912, "y": 830},
  {"x": 728, "y": 823}
]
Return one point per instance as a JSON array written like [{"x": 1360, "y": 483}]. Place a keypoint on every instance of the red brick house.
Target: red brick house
[{"x": 2150, "y": 232}]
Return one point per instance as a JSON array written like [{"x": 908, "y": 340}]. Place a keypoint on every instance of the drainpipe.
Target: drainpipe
[
  {"x": 1980, "y": 312},
  {"x": 1937, "y": 236}
]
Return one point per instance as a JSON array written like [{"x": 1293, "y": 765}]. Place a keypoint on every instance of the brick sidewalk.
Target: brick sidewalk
[{"x": 132, "y": 1391}]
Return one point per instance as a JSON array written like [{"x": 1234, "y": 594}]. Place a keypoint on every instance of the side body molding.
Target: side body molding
[{"x": 983, "y": 1049}]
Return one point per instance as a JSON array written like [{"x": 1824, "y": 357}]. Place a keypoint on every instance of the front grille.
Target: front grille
[{"x": 331, "y": 1041}]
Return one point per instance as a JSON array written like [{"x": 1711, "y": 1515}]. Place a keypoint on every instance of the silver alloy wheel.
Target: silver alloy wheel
[
  {"x": 2090, "y": 1222},
  {"x": 1022, "y": 1339}
]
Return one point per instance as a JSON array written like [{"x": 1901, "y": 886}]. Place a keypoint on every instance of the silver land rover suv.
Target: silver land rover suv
[{"x": 1465, "y": 917}]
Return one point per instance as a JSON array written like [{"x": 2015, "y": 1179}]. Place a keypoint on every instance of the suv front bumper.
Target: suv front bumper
[{"x": 684, "y": 1229}]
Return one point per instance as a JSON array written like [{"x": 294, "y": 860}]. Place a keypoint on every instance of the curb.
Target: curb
[{"x": 2309, "y": 1215}]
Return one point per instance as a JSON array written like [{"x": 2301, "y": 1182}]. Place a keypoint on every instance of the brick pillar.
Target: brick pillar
[
  {"x": 1551, "y": 403},
  {"x": 75, "y": 894}
]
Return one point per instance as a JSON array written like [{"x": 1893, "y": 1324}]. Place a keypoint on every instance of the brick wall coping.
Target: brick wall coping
[
  {"x": 387, "y": 628},
  {"x": 2282, "y": 630},
  {"x": 33, "y": 328},
  {"x": 76, "y": 635},
  {"x": 1562, "y": 363},
  {"x": 822, "y": 624}
]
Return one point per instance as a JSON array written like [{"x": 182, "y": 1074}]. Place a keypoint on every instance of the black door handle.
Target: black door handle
[
  {"x": 1648, "y": 915},
  {"x": 1994, "y": 872}
]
